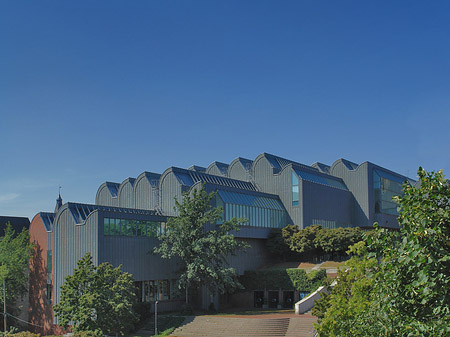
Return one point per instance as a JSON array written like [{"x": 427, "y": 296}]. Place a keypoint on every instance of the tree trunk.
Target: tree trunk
[{"x": 187, "y": 298}]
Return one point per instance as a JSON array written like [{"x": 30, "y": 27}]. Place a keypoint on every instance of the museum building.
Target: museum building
[{"x": 271, "y": 192}]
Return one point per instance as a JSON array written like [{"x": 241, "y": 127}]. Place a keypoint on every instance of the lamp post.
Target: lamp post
[{"x": 156, "y": 317}]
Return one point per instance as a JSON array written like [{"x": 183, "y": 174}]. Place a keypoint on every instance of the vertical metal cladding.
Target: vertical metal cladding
[
  {"x": 358, "y": 182},
  {"x": 271, "y": 179},
  {"x": 170, "y": 188},
  {"x": 240, "y": 169},
  {"x": 330, "y": 207},
  {"x": 250, "y": 259},
  {"x": 71, "y": 242},
  {"x": 134, "y": 253},
  {"x": 107, "y": 194},
  {"x": 218, "y": 169},
  {"x": 126, "y": 193},
  {"x": 146, "y": 191}
]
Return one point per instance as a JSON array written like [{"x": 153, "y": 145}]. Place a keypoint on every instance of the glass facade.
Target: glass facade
[
  {"x": 260, "y": 211},
  {"x": 125, "y": 227},
  {"x": 156, "y": 290},
  {"x": 321, "y": 179},
  {"x": 385, "y": 186},
  {"x": 295, "y": 190},
  {"x": 49, "y": 262}
]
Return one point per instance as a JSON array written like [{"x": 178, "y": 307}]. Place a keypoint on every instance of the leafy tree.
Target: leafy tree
[
  {"x": 337, "y": 240},
  {"x": 407, "y": 291},
  {"x": 15, "y": 252},
  {"x": 342, "y": 313},
  {"x": 97, "y": 298},
  {"x": 202, "y": 251},
  {"x": 414, "y": 281},
  {"x": 304, "y": 241},
  {"x": 277, "y": 245}
]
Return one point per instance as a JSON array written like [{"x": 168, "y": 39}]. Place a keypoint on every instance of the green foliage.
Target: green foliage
[
  {"x": 349, "y": 298},
  {"x": 415, "y": 280},
  {"x": 401, "y": 285},
  {"x": 22, "y": 334},
  {"x": 97, "y": 299},
  {"x": 89, "y": 333},
  {"x": 276, "y": 244},
  {"x": 202, "y": 251},
  {"x": 316, "y": 241},
  {"x": 15, "y": 252},
  {"x": 286, "y": 279}
]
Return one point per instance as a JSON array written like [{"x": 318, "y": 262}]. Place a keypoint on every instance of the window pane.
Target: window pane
[{"x": 105, "y": 226}]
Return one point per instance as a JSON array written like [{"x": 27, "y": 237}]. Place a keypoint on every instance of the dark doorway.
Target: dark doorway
[
  {"x": 288, "y": 299},
  {"x": 258, "y": 299},
  {"x": 273, "y": 299}
]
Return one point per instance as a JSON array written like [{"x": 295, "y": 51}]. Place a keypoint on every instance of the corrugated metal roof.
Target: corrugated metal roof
[
  {"x": 189, "y": 178},
  {"x": 197, "y": 168},
  {"x": 322, "y": 167},
  {"x": 320, "y": 178},
  {"x": 237, "y": 198},
  {"x": 350, "y": 165},
  {"x": 80, "y": 212},
  {"x": 47, "y": 219},
  {"x": 113, "y": 188},
  {"x": 246, "y": 163},
  {"x": 390, "y": 176},
  {"x": 280, "y": 163}
]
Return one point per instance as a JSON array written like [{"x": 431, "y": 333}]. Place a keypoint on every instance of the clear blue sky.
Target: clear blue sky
[{"x": 92, "y": 91}]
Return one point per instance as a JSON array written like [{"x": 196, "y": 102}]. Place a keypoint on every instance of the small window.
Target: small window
[{"x": 295, "y": 190}]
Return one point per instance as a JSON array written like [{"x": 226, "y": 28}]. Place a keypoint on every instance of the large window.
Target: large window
[
  {"x": 385, "y": 186},
  {"x": 125, "y": 227},
  {"x": 260, "y": 211},
  {"x": 156, "y": 290},
  {"x": 295, "y": 193}
]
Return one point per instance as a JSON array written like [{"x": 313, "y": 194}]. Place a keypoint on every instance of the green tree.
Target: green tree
[
  {"x": 304, "y": 241},
  {"x": 202, "y": 242},
  {"x": 344, "y": 312},
  {"x": 15, "y": 252},
  {"x": 414, "y": 282},
  {"x": 407, "y": 291},
  {"x": 97, "y": 298},
  {"x": 278, "y": 246}
]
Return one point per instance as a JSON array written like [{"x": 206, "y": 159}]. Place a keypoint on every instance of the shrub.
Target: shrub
[{"x": 89, "y": 333}]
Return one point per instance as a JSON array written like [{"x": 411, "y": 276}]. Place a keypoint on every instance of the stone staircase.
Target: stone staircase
[{"x": 228, "y": 326}]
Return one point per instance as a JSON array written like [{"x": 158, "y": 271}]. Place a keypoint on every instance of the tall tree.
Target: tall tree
[
  {"x": 407, "y": 291},
  {"x": 202, "y": 242},
  {"x": 15, "y": 252},
  {"x": 97, "y": 298}
]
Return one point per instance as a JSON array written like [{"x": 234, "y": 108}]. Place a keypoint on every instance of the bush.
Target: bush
[
  {"x": 143, "y": 310},
  {"x": 21, "y": 334},
  {"x": 186, "y": 309},
  {"x": 89, "y": 333}
]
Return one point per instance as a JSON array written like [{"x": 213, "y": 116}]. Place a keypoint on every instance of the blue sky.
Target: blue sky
[{"x": 94, "y": 91}]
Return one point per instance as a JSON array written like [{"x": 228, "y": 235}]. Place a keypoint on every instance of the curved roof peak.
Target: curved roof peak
[
  {"x": 347, "y": 163},
  {"x": 324, "y": 168},
  {"x": 129, "y": 180},
  {"x": 189, "y": 178},
  {"x": 246, "y": 163},
  {"x": 222, "y": 167},
  {"x": 197, "y": 168}
]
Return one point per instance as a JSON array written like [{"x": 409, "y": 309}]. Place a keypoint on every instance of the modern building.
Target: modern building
[{"x": 270, "y": 192}]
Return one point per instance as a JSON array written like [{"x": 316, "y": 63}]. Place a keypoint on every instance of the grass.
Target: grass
[
  {"x": 166, "y": 325},
  {"x": 332, "y": 264}
]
